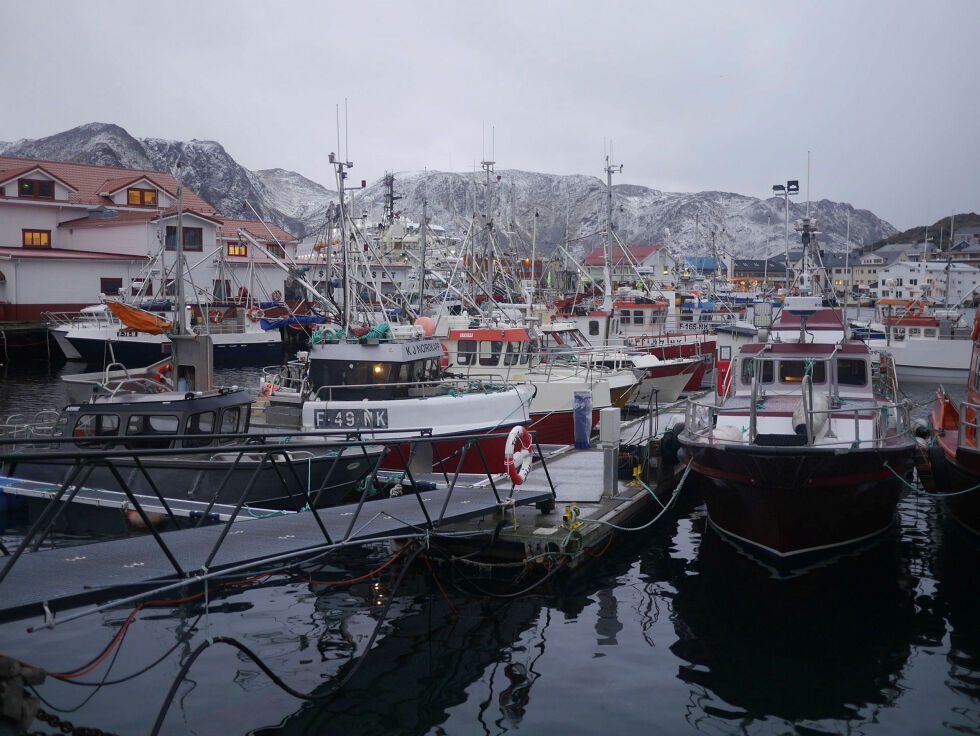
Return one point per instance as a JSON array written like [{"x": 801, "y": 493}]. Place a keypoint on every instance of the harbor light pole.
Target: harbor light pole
[{"x": 779, "y": 190}]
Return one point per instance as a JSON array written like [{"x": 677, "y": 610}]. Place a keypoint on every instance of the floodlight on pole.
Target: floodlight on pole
[{"x": 786, "y": 191}]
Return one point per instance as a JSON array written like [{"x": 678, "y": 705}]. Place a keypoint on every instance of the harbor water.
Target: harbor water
[{"x": 669, "y": 630}]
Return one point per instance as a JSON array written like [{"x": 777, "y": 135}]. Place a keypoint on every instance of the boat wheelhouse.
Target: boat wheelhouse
[
  {"x": 160, "y": 408},
  {"x": 660, "y": 380},
  {"x": 387, "y": 383},
  {"x": 513, "y": 353}
]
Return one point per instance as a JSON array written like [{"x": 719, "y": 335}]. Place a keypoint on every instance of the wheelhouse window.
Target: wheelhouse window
[
  {"x": 36, "y": 238},
  {"x": 466, "y": 352},
  {"x": 141, "y": 197},
  {"x": 792, "y": 371},
  {"x": 593, "y": 327},
  {"x": 512, "y": 353},
  {"x": 237, "y": 249},
  {"x": 36, "y": 188},
  {"x": 200, "y": 423},
  {"x": 110, "y": 287},
  {"x": 151, "y": 430},
  {"x": 96, "y": 425},
  {"x": 852, "y": 372},
  {"x": 193, "y": 238},
  {"x": 763, "y": 369},
  {"x": 490, "y": 352},
  {"x": 233, "y": 420}
]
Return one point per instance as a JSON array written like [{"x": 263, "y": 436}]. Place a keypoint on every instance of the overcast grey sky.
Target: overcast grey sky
[{"x": 694, "y": 95}]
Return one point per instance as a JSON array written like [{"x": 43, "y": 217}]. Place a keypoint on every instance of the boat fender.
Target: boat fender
[
  {"x": 276, "y": 295},
  {"x": 444, "y": 363},
  {"x": 517, "y": 454},
  {"x": 976, "y": 328},
  {"x": 670, "y": 446},
  {"x": 254, "y": 313},
  {"x": 216, "y": 315},
  {"x": 921, "y": 430}
]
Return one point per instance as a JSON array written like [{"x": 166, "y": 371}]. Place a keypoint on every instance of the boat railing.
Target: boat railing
[
  {"x": 81, "y": 319},
  {"x": 20, "y": 427},
  {"x": 890, "y": 421},
  {"x": 421, "y": 389},
  {"x": 969, "y": 434}
]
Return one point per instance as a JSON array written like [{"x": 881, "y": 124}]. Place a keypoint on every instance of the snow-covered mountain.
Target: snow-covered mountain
[{"x": 569, "y": 208}]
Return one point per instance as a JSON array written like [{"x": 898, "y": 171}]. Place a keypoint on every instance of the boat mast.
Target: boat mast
[
  {"x": 178, "y": 328},
  {"x": 422, "y": 229},
  {"x": 340, "y": 169},
  {"x": 488, "y": 219},
  {"x": 607, "y": 241}
]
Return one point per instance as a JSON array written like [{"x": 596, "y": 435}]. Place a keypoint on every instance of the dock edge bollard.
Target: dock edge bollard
[{"x": 609, "y": 437}]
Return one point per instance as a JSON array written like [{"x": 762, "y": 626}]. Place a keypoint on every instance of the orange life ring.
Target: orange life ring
[
  {"x": 254, "y": 313},
  {"x": 216, "y": 315},
  {"x": 161, "y": 371},
  {"x": 276, "y": 295},
  {"x": 520, "y": 440},
  {"x": 444, "y": 363}
]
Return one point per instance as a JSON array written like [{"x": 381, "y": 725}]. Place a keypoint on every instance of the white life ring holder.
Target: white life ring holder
[
  {"x": 255, "y": 313},
  {"x": 518, "y": 439}
]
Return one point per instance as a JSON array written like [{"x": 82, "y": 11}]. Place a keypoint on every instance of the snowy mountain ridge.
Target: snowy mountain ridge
[{"x": 570, "y": 208}]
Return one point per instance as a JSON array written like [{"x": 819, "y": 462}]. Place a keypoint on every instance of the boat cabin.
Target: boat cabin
[
  {"x": 155, "y": 421},
  {"x": 779, "y": 368},
  {"x": 373, "y": 369},
  {"x": 492, "y": 349}
]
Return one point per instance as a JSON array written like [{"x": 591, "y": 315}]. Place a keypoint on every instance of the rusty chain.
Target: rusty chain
[{"x": 66, "y": 727}]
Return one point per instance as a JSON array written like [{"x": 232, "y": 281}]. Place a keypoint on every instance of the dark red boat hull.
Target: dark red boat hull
[{"x": 796, "y": 502}]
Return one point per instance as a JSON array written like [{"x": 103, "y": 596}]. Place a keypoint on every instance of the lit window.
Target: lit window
[
  {"x": 141, "y": 197},
  {"x": 237, "y": 249},
  {"x": 37, "y": 238}
]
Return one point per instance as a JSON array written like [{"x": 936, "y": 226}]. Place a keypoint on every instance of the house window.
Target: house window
[
  {"x": 193, "y": 238},
  {"x": 38, "y": 188},
  {"x": 277, "y": 250},
  {"x": 141, "y": 197},
  {"x": 110, "y": 287},
  {"x": 37, "y": 238},
  {"x": 237, "y": 249}
]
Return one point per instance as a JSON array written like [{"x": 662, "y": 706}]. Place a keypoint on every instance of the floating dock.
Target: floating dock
[{"x": 571, "y": 502}]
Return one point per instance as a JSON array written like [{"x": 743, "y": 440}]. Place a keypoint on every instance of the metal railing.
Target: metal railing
[
  {"x": 269, "y": 453},
  {"x": 890, "y": 421}
]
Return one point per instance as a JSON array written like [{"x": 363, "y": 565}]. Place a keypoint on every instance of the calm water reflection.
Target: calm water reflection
[{"x": 670, "y": 631}]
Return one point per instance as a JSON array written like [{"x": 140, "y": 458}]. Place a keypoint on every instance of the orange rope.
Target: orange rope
[
  {"x": 355, "y": 580},
  {"x": 439, "y": 585},
  {"x": 118, "y": 637},
  {"x": 603, "y": 551}
]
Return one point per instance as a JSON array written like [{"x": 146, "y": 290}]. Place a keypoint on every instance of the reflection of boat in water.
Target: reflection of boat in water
[
  {"x": 424, "y": 666},
  {"x": 827, "y": 646},
  {"x": 957, "y": 572}
]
